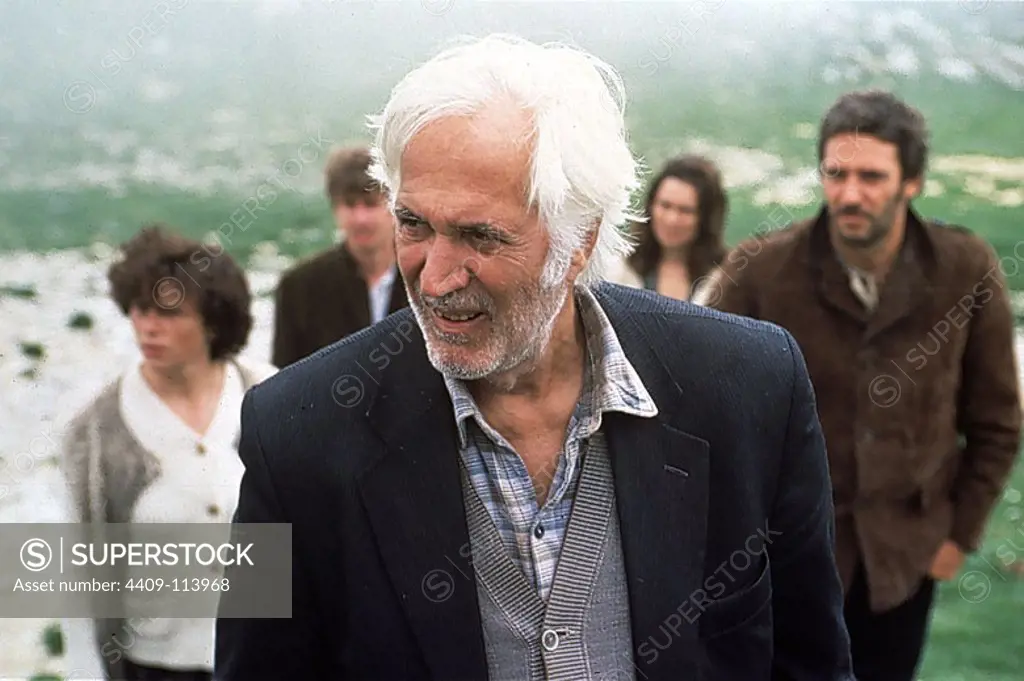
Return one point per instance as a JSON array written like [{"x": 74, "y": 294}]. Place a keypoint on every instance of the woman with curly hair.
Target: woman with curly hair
[
  {"x": 158, "y": 444},
  {"x": 682, "y": 240}
]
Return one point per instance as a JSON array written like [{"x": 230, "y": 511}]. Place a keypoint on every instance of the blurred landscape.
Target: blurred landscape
[{"x": 113, "y": 115}]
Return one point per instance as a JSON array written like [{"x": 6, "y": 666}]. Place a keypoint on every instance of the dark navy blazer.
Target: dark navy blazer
[{"x": 724, "y": 504}]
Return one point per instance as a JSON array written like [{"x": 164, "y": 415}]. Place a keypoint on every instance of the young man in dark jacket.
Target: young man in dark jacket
[{"x": 349, "y": 286}]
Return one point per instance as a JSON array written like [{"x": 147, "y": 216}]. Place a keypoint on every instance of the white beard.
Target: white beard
[{"x": 520, "y": 337}]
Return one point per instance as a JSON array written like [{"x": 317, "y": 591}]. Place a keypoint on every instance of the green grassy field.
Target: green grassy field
[
  {"x": 299, "y": 223},
  {"x": 976, "y": 633}
]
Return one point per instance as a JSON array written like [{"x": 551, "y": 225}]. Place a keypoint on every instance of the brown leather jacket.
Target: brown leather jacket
[{"x": 919, "y": 401}]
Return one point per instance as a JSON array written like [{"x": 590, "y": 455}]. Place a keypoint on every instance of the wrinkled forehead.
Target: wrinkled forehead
[
  {"x": 456, "y": 168},
  {"x": 493, "y": 146}
]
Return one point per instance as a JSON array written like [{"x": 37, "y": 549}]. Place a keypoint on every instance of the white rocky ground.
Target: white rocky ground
[{"x": 75, "y": 363}]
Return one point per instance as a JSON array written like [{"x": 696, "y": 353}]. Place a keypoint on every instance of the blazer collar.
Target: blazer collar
[
  {"x": 413, "y": 498},
  {"x": 351, "y": 289},
  {"x": 414, "y": 501}
]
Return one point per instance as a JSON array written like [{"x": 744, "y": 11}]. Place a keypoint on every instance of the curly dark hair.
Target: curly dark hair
[
  {"x": 161, "y": 268},
  {"x": 879, "y": 114},
  {"x": 708, "y": 249}
]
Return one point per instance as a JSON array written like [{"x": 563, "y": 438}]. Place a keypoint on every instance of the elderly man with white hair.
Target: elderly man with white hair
[{"x": 533, "y": 473}]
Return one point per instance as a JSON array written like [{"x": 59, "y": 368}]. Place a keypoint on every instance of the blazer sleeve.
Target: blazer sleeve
[
  {"x": 811, "y": 639},
  {"x": 266, "y": 649},
  {"x": 989, "y": 411}
]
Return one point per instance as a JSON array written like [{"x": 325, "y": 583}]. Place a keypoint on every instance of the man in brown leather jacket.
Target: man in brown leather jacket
[
  {"x": 351, "y": 285},
  {"x": 908, "y": 333}
]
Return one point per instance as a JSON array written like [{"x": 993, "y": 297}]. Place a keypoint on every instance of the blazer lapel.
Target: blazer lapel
[
  {"x": 413, "y": 497},
  {"x": 661, "y": 483},
  {"x": 332, "y": 311},
  {"x": 661, "y": 486},
  {"x": 353, "y": 294}
]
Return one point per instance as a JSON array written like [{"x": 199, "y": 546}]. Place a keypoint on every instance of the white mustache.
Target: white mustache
[{"x": 457, "y": 302}]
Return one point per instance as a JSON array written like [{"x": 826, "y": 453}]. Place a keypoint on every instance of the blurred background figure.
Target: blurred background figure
[
  {"x": 682, "y": 240},
  {"x": 349, "y": 286},
  {"x": 907, "y": 328},
  {"x": 159, "y": 443}
]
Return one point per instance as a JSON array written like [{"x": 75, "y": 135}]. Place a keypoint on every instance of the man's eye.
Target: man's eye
[
  {"x": 486, "y": 242},
  {"x": 411, "y": 225}
]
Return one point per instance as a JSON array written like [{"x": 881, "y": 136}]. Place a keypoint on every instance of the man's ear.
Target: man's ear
[
  {"x": 581, "y": 255},
  {"x": 912, "y": 188}
]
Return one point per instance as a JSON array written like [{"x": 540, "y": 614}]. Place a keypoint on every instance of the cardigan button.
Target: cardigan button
[{"x": 550, "y": 640}]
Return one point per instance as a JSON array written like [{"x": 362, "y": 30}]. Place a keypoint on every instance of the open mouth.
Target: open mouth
[{"x": 451, "y": 320}]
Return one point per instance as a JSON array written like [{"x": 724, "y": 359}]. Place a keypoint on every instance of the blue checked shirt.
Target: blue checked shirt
[{"x": 533, "y": 536}]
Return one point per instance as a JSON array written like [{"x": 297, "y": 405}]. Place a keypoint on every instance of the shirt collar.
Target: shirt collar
[
  {"x": 389, "y": 276},
  {"x": 610, "y": 381}
]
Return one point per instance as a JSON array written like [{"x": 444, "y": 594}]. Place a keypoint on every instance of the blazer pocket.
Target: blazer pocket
[{"x": 737, "y": 610}]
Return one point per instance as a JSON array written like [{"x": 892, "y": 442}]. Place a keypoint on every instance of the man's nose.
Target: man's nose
[
  {"x": 850, "y": 192},
  {"x": 446, "y": 267}
]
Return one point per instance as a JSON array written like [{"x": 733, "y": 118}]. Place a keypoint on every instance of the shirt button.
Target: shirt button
[
  {"x": 200, "y": 448},
  {"x": 550, "y": 640},
  {"x": 212, "y": 510},
  {"x": 538, "y": 532}
]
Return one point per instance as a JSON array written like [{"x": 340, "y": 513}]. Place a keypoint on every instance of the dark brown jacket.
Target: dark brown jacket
[
  {"x": 919, "y": 401},
  {"x": 320, "y": 301}
]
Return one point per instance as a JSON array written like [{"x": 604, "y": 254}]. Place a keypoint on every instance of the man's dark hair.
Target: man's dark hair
[
  {"x": 163, "y": 269},
  {"x": 880, "y": 114},
  {"x": 708, "y": 249},
  {"x": 347, "y": 178}
]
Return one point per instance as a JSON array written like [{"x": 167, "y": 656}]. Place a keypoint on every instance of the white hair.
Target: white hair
[{"x": 583, "y": 173}]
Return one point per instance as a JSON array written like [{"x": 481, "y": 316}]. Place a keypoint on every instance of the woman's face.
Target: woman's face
[
  {"x": 170, "y": 336},
  {"x": 674, "y": 216}
]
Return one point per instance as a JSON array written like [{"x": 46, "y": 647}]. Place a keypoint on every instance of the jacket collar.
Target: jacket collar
[
  {"x": 907, "y": 286},
  {"x": 610, "y": 382}
]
